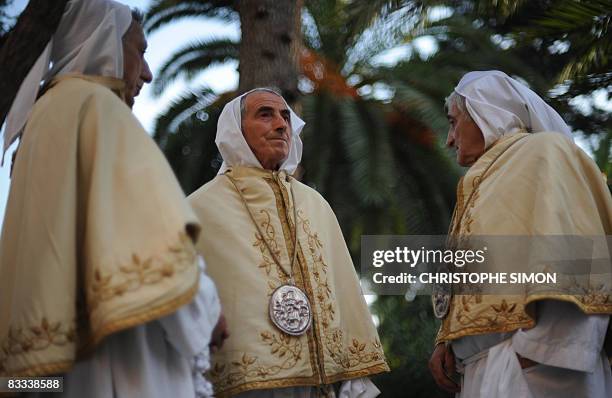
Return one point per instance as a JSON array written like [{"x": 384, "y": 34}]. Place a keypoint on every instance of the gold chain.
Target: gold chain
[{"x": 295, "y": 245}]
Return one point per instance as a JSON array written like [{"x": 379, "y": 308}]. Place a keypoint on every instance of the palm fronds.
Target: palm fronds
[
  {"x": 584, "y": 27},
  {"x": 364, "y": 137},
  {"x": 182, "y": 109},
  {"x": 163, "y": 12},
  {"x": 193, "y": 59}
]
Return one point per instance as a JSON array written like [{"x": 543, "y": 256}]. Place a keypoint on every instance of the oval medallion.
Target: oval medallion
[
  {"x": 290, "y": 310},
  {"x": 440, "y": 300}
]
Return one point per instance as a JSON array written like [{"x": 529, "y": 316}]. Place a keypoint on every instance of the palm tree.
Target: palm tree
[
  {"x": 386, "y": 153},
  {"x": 21, "y": 47},
  {"x": 378, "y": 159}
]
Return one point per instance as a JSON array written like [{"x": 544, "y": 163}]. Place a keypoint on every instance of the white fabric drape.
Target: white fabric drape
[
  {"x": 566, "y": 343},
  {"x": 87, "y": 41},
  {"x": 500, "y": 106},
  {"x": 234, "y": 148},
  {"x": 355, "y": 388}
]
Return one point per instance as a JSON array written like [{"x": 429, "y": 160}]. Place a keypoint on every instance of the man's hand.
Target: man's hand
[
  {"x": 219, "y": 335},
  {"x": 442, "y": 367}
]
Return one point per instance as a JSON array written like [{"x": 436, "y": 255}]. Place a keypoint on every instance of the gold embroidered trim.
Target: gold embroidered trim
[
  {"x": 333, "y": 338},
  {"x": 135, "y": 320},
  {"x": 113, "y": 327},
  {"x": 268, "y": 384},
  {"x": 283, "y": 205},
  {"x": 591, "y": 309},
  {"x": 494, "y": 315},
  {"x": 24, "y": 340},
  {"x": 319, "y": 272},
  {"x": 43, "y": 336},
  {"x": 356, "y": 355},
  {"x": 517, "y": 319},
  {"x": 288, "y": 350},
  {"x": 301, "y": 381},
  {"x": 45, "y": 369},
  {"x": 353, "y": 374},
  {"x": 268, "y": 261},
  {"x": 139, "y": 272},
  {"x": 475, "y": 330}
]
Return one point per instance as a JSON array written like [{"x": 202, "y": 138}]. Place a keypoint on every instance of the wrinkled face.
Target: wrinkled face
[
  {"x": 465, "y": 136},
  {"x": 266, "y": 128},
  {"x": 136, "y": 71}
]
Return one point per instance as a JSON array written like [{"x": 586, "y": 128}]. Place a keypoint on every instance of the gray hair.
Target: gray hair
[
  {"x": 272, "y": 90},
  {"x": 458, "y": 101},
  {"x": 137, "y": 16}
]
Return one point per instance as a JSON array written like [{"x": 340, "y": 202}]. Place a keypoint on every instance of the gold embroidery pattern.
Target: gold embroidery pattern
[
  {"x": 23, "y": 340},
  {"x": 334, "y": 337},
  {"x": 469, "y": 218},
  {"x": 248, "y": 371},
  {"x": 139, "y": 273},
  {"x": 594, "y": 298},
  {"x": 501, "y": 314},
  {"x": 288, "y": 350},
  {"x": 319, "y": 272},
  {"x": 460, "y": 198},
  {"x": 591, "y": 296},
  {"x": 267, "y": 260},
  {"x": 356, "y": 354}
]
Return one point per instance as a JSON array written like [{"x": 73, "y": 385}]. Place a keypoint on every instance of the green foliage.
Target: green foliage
[
  {"x": 364, "y": 137},
  {"x": 186, "y": 132},
  {"x": 407, "y": 332},
  {"x": 193, "y": 59},
  {"x": 583, "y": 27},
  {"x": 162, "y": 12},
  {"x": 191, "y": 149},
  {"x": 6, "y": 21},
  {"x": 603, "y": 156},
  {"x": 375, "y": 175}
]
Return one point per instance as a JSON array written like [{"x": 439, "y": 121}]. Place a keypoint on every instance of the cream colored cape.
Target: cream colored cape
[
  {"x": 530, "y": 185},
  {"x": 343, "y": 342},
  {"x": 97, "y": 235}
]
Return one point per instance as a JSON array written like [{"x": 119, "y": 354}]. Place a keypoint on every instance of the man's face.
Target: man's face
[
  {"x": 465, "y": 136},
  {"x": 266, "y": 128},
  {"x": 136, "y": 71}
]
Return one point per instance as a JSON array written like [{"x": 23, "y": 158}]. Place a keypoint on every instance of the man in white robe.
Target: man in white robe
[
  {"x": 99, "y": 280},
  {"x": 526, "y": 178}
]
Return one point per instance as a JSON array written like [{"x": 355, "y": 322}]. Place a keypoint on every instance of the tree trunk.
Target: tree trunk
[
  {"x": 23, "y": 45},
  {"x": 271, "y": 41}
]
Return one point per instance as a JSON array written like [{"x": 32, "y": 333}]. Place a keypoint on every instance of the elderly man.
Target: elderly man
[
  {"x": 99, "y": 279},
  {"x": 292, "y": 299},
  {"x": 526, "y": 177}
]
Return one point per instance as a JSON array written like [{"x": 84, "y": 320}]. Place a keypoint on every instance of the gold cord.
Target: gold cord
[{"x": 295, "y": 245}]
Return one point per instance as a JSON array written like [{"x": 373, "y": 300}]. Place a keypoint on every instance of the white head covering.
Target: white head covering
[
  {"x": 500, "y": 106},
  {"x": 234, "y": 148},
  {"x": 87, "y": 41}
]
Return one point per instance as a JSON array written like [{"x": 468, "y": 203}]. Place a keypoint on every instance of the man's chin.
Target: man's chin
[{"x": 465, "y": 162}]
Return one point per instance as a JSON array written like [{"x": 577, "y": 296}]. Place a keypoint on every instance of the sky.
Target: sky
[{"x": 167, "y": 40}]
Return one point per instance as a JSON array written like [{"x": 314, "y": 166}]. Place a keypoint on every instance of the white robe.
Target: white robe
[
  {"x": 154, "y": 360},
  {"x": 566, "y": 343},
  {"x": 356, "y": 388}
]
